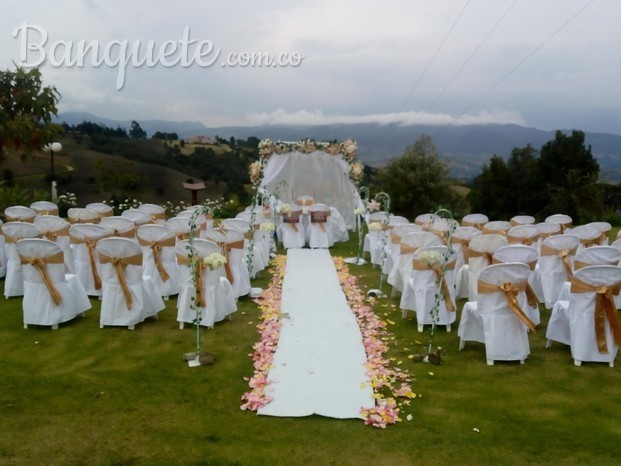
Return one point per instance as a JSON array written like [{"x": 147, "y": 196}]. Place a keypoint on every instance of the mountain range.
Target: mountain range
[{"x": 466, "y": 147}]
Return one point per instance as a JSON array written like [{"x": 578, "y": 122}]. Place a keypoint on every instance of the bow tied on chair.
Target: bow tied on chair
[
  {"x": 156, "y": 249},
  {"x": 53, "y": 235},
  {"x": 564, "y": 254},
  {"x": 40, "y": 263},
  {"x": 200, "y": 269},
  {"x": 510, "y": 291},
  {"x": 485, "y": 254},
  {"x": 605, "y": 308},
  {"x": 119, "y": 264},
  {"x": 437, "y": 269}
]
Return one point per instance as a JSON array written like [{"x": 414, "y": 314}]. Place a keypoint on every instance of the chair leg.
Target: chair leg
[
  {"x": 462, "y": 344},
  {"x": 25, "y": 325},
  {"x": 577, "y": 363},
  {"x": 611, "y": 364},
  {"x": 420, "y": 328},
  {"x": 55, "y": 327},
  {"x": 180, "y": 325},
  {"x": 490, "y": 362},
  {"x": 521, "y": 361},
  {"x": 548, "y": 343},
  {"x": 131, "y": 327},
  {"x": 448, "y": 328}
]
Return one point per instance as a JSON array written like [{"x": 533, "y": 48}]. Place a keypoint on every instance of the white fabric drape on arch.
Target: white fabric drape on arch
[{"x": 321, "y": 175}]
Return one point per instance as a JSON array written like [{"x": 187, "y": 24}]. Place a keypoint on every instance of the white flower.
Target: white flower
[
  {"x": 266, "y": 226},
  {"x": 214, "y": 260},
  {"x": 285, "y": 209},
  {"x": 359, "y": 211},
  {"x": 375, "y": 226},
  {"x": 430, "y": 258}
]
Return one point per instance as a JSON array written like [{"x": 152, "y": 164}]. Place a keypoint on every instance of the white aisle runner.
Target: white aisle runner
[{"x": 319, "y": 363}]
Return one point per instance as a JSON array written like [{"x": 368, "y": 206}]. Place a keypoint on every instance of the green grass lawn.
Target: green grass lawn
[{"x": 85, "y": 395}]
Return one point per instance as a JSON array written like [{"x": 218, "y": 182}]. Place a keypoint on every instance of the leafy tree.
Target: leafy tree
[
  {"x": 136, "y": 132},
  {"x": 121, "y": 182},
  {"x": 490, "y": 193},
  {"x": 418, "y": 181},
  {"x": 26, "y": 110}
]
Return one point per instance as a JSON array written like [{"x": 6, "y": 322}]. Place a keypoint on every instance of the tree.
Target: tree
[
  {"x": 26, "y": 110},
  {"x": 136, "y": 132},
  {"x": 418, "y": 181},
  {"x": 490, "y": 193}
]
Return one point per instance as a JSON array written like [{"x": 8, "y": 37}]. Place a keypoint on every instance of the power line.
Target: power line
[
  {"x": 535, "y": 50},
  {"x": 471, "y": 56},
  {"x": 420, "y": 78}
]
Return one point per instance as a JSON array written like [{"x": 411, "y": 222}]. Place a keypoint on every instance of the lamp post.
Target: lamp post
[{"x": 51, "y": 148}]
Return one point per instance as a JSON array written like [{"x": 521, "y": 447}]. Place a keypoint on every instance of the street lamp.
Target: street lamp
[{"x": 51, "y": 148}]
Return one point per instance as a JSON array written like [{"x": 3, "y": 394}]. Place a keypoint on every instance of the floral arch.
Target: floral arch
[{"x": 329, "y": 172}]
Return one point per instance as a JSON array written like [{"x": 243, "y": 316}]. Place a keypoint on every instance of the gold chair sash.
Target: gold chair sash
[
  {"x": 476, "y": 253},
  {"x": 588, "y": 242},
  {"x": 564, "y": 254},
  {"x": 119, "y": 264},
  {"x": 15, "y": 239},
  {"x": 488, "y": 231},
  {"x": 522, "y": 240},
  {"x": 158, "y": 216},
  {"x": 510, "y": 291},
  {"x": 465, "y": 245},
  {"x": 407, "y": 249},
  {"x": 605, "y": 308},
  {"x": 305, "y": 202},
  {"x": 320, "y": 218},
  {"x": 131, "y": 233},
  {"x": 156, "y": 248},
  {"x": 394, "y": 238},
  {"x": 201, "y": 269},
  {"x": 226, "y": 248},
  {"x": 90, "y": 246},
  {"x": 40, "y": 263},
  {"x": 465, "y": 223},
  {"x": 53, "y": 235},
  {"x": 531, "y": 297},
  {"x": 74, "y": 220},
  {"x": 46, "y": 211},
  {"x": 448, "y": 302},
  {"x": 292, "y": 220},
  {"x": 10, "y": 218}
]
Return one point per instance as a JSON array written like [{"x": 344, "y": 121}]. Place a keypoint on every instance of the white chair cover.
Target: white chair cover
[
  {"x": 522, "y": 220},
  {"x": 476, "y": 220},
  {"x": 139, "y": 217},
  {"x": 2, "y": 253},
  {"x": 121, "y": 226},
  {"x": 524, "y": 234},
  {"x": 377, "y": 225},
  {"x": 555, "y": 264},
  {"x": 180, "y": 227},
  {"x": 82, "y": 215},
  {"x": 50, "y": 297},
  {"x": 590, "y": 235},
  {"x": 425, "y": 220},
  {"x": 128, "y": 297},
  {"x": 558, "y": 326},
  {"x": 84, "y": 238},
  {"x": 260, "y": 246},
  {"x": 480, "y": 252},
  {"x": 318, "y": 229},
  {"x": 292, "y": 229},
  {"x": 593, "y": 319},
  {"x": 56, "y": 229},
  {"x": 103, "y": 210},
  {"x": 562, "y": 220},
  {"x": 497, "y": 227},
  {"x": 402, "y": 268},
  {"x": 604, "y": 228},
  {"x": 504, "y": 333},
  {"x": 421, "y": 289},
  {"x": 460, "y": 242},
  {"x": 159, "y": 259},
  {"x": 394, "y": 245},
  {"x": 526, "y": 255},
  {"x": 156, "y": 212},
  {"x": 218, "y": 299},
  {"x": 13, "y": 232},
  {"x": 44, "y": 208},
  {"x": 236, "y": 268},
  {"x": 19, "y": 213}
]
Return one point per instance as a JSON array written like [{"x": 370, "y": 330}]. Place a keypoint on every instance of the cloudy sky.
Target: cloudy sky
[{"x": 545, "y": 63}]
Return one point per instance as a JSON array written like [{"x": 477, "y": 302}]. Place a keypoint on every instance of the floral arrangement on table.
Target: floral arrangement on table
[
  {"x": 214, "y": 260},
  {"x": 391, "y": 385}
]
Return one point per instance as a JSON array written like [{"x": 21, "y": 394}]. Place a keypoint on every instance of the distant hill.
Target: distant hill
[{"x": 467, "y": 147}]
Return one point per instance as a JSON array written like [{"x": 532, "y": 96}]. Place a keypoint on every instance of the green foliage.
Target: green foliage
[
  {"x": 136, "y": 132},
  {"x": 120, "y": 182},
  {"x": 26, "y": 110},
  {"x": 15, "y": 195},
  {"x": 563, "y": 179},
  {"x": 418, "y": 182}
]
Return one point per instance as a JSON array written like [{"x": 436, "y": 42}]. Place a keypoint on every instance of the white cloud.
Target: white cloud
[{"x": 317, "y": 117}]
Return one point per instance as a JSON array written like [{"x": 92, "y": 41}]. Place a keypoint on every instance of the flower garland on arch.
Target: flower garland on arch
[{"x": 348, "y": 149}]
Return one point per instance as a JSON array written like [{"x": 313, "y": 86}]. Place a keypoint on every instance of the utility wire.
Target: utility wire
[
  {"x": 535, "y": 50},
  {"x": 471, "y": 56},
  {"x": 420, "y": 78}
]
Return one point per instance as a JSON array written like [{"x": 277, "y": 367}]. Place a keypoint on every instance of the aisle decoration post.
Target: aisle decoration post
[
  {"x": 199, "y": 357},
  {"x": 384, "y": 199},
  {"x": 440, "y": 262},
  {"x": 360, "y": 213}
]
